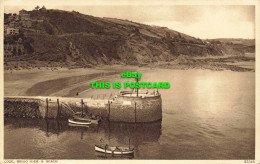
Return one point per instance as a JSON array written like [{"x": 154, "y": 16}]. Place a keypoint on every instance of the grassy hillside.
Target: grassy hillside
[{"x": 75, "y": 39}]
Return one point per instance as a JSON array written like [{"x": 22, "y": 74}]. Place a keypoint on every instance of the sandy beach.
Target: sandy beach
[
  {"x": 58, "y": 82},
  {"x": 19, "y": 82}
]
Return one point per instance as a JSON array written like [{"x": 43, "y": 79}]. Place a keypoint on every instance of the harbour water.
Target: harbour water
[{"x": 206, "y": 115}]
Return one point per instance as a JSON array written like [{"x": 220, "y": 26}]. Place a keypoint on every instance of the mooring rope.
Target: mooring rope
[{"x": 68, "y": 107}]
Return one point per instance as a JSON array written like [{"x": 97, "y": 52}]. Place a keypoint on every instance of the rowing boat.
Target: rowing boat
[
  {"x": 79, "y": 122},
  {"x": 114, "y": 150},
  {"x": 92, "y": 121}
]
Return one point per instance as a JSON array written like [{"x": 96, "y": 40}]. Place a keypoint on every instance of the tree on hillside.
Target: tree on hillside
[
  {"x": 43, "y": 8},
  {"x": 37, "y": 7}
]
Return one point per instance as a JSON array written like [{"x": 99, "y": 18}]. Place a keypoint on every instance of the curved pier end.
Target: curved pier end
[{"x": 127, "y": 107}]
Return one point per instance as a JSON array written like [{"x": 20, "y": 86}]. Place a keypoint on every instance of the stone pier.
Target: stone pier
[{"x": 120, "y": 109}]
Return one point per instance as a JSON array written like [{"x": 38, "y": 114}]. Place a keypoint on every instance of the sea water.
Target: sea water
[{"x": 206, "y": 115}]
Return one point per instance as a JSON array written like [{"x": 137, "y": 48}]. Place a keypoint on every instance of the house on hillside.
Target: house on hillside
[
  {"x": 14, "y": 24},
  {"x": 30, "y": 30},
  {"x": 11, "y": 50},
  {"x": 24, "y": 15},
  {"x": 10, "y": 18},
  {"x": 13, "y": 17},
  {"x": 12, "y": 31},
  {"x": 21, "y": 12},
  {"x": 5, "y": 28},
  {"x": 8, "y": 51},
  {"x": 26, "y": 23}
]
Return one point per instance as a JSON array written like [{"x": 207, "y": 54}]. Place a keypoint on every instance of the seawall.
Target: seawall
[
  {"x": 136, "y": 109},
  {"x": 119, "y": 109}
]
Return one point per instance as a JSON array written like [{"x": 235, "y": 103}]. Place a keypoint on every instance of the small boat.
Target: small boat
[
  {"x": 79, "y": 122},
  {"x": 79, "y": 116},
  {"x": 90, "y": 120},
  {"x": 114, "y": 150}
]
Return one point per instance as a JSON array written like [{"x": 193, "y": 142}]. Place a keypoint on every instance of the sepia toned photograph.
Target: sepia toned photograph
[{"x": 122, "y": 81}]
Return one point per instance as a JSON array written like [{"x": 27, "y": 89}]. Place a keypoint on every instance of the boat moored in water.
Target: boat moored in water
[
  {"x": 83, "y": 117},
  {"x": 79, "y": 122},
  {"x": 114, "y": 150}
]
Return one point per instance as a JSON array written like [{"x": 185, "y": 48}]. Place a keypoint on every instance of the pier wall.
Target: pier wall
[
  {"x": 122, "y": 109},
  {"x": 22, "y": 108},
  {"x": 134, "y": 109}
]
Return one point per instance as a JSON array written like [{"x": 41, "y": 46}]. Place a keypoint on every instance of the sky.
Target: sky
[{"x": 201, "y": 21}]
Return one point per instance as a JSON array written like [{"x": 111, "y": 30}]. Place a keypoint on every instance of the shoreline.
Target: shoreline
[
  {"x": 67, "y": 83},
  {"x": 243, "y": 63}
]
